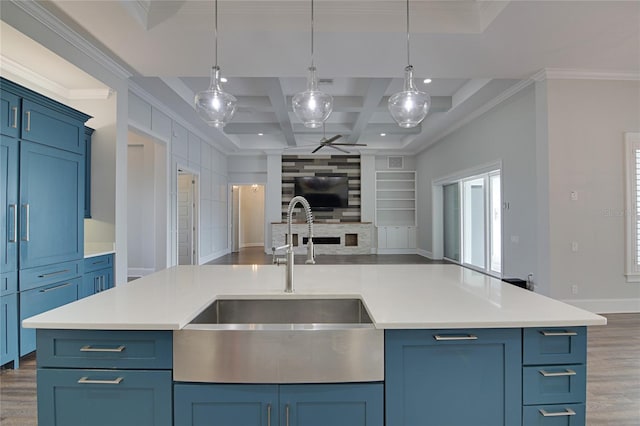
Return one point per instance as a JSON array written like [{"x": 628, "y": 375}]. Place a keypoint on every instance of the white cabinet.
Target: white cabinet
[{"x": 396, "y": 211}]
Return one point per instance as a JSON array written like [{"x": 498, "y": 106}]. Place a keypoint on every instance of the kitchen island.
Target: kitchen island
[{"x": 461, "y": 348}]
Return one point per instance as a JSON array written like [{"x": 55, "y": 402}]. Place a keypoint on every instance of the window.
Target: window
[{"x": 632, "y": 154}]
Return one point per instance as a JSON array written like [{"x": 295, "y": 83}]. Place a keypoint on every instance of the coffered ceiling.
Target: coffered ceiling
[{"x": 474, "y": 51}]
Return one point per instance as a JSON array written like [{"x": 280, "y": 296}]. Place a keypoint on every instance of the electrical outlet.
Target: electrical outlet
[
  {"x": 574, "y": 195},
  {"x": 574, "y": 289},
  {"x": 574, "y": 246}
]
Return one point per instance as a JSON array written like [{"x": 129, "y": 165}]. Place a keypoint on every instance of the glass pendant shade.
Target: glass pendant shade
[
  {"x": 215, "y": 106},
  {"x": 409, "y": 107},
  {"x": 312, "y": 106}
]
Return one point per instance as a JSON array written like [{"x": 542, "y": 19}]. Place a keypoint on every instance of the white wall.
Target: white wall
[
  {"x": 586, "y": 122},
  {"x": 506, "y": 133}
]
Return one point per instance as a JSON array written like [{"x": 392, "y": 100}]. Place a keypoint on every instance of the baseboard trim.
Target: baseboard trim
[
  {"x": 425, "y": 253},
  {"x": 606, "y": 306},
  {"x": 214, "y": 256},
  {"x": 251, "y": 245},
  {"x": 397, "y": 251},
  {"x": 139, "y": 272}
]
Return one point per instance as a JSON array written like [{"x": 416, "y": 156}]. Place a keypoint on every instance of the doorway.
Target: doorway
[
  {"x": 247, "y": 217},
  {"x": 187, "y": 217}
]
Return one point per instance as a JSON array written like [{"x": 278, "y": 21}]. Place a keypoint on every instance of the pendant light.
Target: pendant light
[
  {"x": 409, "y": 107},
  {"x": 215, "y": 106},
  {"x": 312, "y": 106}
]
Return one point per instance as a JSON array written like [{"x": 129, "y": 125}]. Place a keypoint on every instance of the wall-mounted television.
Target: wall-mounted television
[{"x": 323, "y": 192}]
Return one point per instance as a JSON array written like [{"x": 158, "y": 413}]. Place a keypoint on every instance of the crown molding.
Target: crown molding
[
  {"x": 24, "y": 74},
  {"x": 52, "y": 22},
  {"x": 580, "y": 74}
]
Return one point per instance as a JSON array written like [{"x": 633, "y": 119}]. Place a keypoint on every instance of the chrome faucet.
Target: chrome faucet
[{"x": 288, "y": 259}]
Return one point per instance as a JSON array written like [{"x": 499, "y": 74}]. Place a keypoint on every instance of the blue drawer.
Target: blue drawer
[
  {"x": 43, "y": 275},
  {"x": 105, "y": 349},
  {"x": 554, "y": 415},
  {"x": 104, "y": 397},
  {"x": 543, "y": 346},
  {"x": 36, "y": 301},
  {"x": 8, "y": 283},
  {"x": 554, "y": 384},
  {"x": 98, "y": 262}
]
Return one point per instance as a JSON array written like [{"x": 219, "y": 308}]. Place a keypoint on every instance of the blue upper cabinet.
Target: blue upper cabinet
[
  {"x": 453, "y": 377},
  {"x": 87, "y": 172},
  {"x": 10, "y": 110},
  {"x": 43, "y": 125},
  {"x": 51, "y": 205},
  {"x": 9, "y": 203}
]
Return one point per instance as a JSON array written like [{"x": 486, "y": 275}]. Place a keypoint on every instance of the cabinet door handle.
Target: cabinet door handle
[
  {"x": 14, "y": 215},
  {"x": 88, "y": 381},
  {"x": 51, "y": 274},
  {"x": 25, "y": 207},
  {"x": 89, "y": 348},
  {"x": 58, "y": 287},
  {"x": 28, "y": 129},
  {"x": 268, "y": 414},
  {"x": 439, "y": 337},
  {"x": 98, "y": 262},
  {"x": 15, "y": 117},
  {"x": 566, "y": 412},
  {"x": 286, "y": 414},
  {"x": 566, "y": 372},
  {"x": 558, "y": 333}
]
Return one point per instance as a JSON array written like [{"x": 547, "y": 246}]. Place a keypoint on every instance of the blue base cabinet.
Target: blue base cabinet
[
  {"x": 453, "y": 377},
  {"x": 98, "y": 275},
  {"x": 97, "y": 378},
  {"x": 9, "y": 329},
  {"x": 344, "y": 404}
]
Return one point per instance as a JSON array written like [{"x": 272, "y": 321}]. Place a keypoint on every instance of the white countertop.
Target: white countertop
[
  {"x": 98, "y": 249},
  {"x": 397, "y": 296}
]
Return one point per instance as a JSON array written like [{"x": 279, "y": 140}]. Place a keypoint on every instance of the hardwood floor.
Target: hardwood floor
[{"x": 613, "y": 390}]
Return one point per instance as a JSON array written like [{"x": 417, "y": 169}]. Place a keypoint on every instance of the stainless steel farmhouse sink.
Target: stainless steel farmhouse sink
[{"x": 290, "y": 340}]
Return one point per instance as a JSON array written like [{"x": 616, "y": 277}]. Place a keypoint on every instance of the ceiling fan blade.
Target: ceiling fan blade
[
  {"x": 331, "y": 139},
  {"x": 339, "y": 149},
  {"x": 317, "y": 149},
  {"x": 350, "y": 144}
]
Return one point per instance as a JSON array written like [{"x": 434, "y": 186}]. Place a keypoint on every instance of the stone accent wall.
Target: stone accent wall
[{"x": 334, "y": 165}]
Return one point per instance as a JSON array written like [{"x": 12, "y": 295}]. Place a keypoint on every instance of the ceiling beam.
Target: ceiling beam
[
  {"x": 280, "y": 108},
  {"x": 375, "y": 92}
]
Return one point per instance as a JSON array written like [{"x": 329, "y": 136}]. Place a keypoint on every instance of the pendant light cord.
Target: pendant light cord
[
  {"x": 312, "y": 63},
  {"x": 408, "y": 57},
  {"x": 215, "y": 32}
]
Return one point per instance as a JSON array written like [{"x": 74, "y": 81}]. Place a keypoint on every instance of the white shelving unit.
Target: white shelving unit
[{"x": 396, "y": 211}]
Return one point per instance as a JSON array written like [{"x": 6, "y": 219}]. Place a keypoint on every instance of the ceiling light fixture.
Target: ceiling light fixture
[
  {"x": 383, "y": 134},
  {"x": 215, "y": 106},
  {"x": 312, "y": 106},
  {"x": 427, "y": 81},
  {"x": 409, "y": 107}
]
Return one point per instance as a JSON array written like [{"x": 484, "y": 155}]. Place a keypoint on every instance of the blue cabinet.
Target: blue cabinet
[
  {"x": 344, "y": 404},
  {"x": 10, "y": 113},
  {"x": 70, "y": 397},
  {"x": 98, "y": 275},
  {"x": 9, "y": 329},
  {"x": 51, "y": 205},
  {"x": 87, "y": 172},
  {"x": 104, "y": 378},
  {"x": 453, "y": 377},
  {"x": 9, "y": 204}
]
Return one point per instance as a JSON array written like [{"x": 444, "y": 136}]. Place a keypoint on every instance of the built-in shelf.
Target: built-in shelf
[{"x": 395, "y": 198}]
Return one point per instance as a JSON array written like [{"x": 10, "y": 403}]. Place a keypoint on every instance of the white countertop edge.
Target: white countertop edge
[{"x": 99, "y": 253}]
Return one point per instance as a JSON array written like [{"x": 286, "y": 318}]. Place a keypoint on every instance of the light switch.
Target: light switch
[
  {"x": 574, "y": 246},
  {"x": 574, "y": 195}
]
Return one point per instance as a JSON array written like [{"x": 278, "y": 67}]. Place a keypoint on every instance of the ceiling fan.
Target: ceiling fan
[{"x": 331, "y": 144}]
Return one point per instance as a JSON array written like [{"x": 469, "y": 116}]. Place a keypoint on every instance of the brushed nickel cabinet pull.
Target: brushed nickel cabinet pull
[
  {"x": 286, "y": 414},
  {"x": 566, "y": 412},
  {"x": 28, "y": 129},
  {"x": 566, "y": 372},
  {"x": 58, "y": 287},
  {"x": 14, "y": 214},
  {"x": 89, "y": 348},
  {"x": 25, "y": 207},
  {"x": 460, "y": 337},
  {"x": 268, "y": 414},
  {"x": 558, "y": 333},
  {"x": 88, "y": 381},
  {"x": 51, "y": 274},
  {"x": 15, "y": 117}
]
